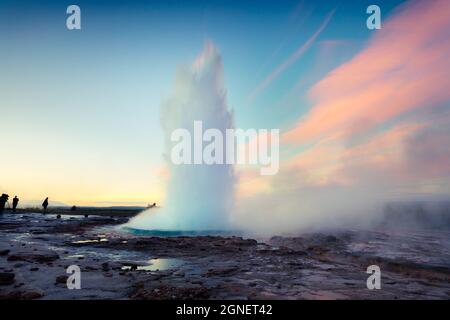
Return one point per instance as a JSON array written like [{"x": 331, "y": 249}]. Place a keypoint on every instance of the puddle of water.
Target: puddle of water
[
  {"x": 161, "y": 264},
  {"x": 75, "y": 256},
  {"x": 90, "y": 241}
]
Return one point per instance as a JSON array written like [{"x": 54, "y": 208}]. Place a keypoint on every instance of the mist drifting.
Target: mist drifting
[{"x": 199, "y": 197}]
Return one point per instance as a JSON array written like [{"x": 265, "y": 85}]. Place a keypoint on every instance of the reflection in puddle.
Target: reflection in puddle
[
  {"x": 90, "y": 241},
  {"x": 76, "y": 256},
  {"x": 157, "y": 265}
]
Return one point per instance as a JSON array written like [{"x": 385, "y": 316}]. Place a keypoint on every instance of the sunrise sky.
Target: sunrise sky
[{"x": 80, "y": 109}]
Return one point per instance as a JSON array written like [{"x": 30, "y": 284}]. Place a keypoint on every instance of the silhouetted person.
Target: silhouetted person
[
  {"x": 45, "y": 204},
  {"x": 15, "y": 203},
  {"x": 3, "y": 199}
]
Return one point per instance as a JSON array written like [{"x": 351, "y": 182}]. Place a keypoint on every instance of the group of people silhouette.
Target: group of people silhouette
[{"x": 4, "y": 200}]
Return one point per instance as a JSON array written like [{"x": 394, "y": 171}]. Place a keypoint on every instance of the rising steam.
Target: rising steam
[{"x": 200, "y": 197}]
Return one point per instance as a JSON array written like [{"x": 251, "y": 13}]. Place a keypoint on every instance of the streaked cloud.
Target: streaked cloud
[{"x": 293, "y": 58}]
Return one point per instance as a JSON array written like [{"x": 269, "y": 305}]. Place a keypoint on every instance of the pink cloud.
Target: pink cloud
[
  {"x": 378, "y": 131},
  {"x": 405, "y": 67}
]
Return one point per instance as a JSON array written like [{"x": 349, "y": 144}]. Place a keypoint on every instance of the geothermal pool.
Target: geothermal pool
[{"x": 181, "y": 233}]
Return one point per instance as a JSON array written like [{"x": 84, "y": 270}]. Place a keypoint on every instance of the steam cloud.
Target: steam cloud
[
  {"x": 200, "y": 197},
  {"x": 381, "y": 139},
  {"x": 377, "y": 133}
]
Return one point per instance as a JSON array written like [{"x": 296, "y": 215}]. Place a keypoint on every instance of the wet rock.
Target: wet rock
[
  {"x": 31, "y": 295},
  {"x": 197, "y": 281},
  {"x": 216, "y": 267},
  {"x": 331, "y": 239},
  {"x": 89, "y": 268},
  {"x": 221, "y": 271},
  {"x": 43, "y": 257},
  {"x": 6, "y": 278},
  {"x": 61, "y": 279},
  {"x": 295, "y": 263},
  {"x": 171, "y": 293},
  {"x": 178, "y": 273},
  {"x": 14, "y": 295},
  {"x": 105, "y": 266}
]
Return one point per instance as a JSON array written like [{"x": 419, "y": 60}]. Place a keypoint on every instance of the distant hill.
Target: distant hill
[
  {"x": 62, "y": 205},
  {"x": 115, "y": 208}
]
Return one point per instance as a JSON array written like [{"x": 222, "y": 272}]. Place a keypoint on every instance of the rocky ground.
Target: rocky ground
[{"x": 36, "y": 249}]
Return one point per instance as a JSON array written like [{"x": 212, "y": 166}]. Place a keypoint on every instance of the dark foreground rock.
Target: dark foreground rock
[
  {"x": 36, "y": 250},
  {"x": 6, "y": 278}
]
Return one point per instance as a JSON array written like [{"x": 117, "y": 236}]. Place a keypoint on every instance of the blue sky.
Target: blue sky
[{"x": 81, "y": 106}]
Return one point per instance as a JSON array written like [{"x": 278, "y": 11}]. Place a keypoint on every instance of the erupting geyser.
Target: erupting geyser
[{"x": 199, "y": 196}]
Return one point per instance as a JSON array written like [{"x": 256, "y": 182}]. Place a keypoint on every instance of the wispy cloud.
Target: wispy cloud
[{"x": 289, "y": 61}]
